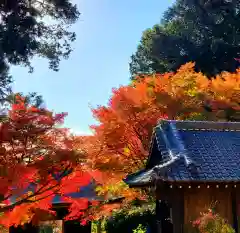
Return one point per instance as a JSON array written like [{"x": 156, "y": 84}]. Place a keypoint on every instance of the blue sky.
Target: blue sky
[{"x": 108, "y": 32}]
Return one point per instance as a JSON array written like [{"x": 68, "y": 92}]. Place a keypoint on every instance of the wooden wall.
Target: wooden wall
[
  {"x": 199, "y": 200},
  {"x": 187, "y": 203}
]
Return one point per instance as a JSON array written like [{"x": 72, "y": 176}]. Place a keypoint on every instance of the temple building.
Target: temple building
[{"x": 192, "y": 166}]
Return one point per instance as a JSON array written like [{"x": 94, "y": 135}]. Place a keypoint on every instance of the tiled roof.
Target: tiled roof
[
  {"x": 87, "y": 191},
  {"x": 192, "y": 151}
]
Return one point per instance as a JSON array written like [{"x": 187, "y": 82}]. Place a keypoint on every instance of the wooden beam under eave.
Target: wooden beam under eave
[{"x": 197, "y": 185}]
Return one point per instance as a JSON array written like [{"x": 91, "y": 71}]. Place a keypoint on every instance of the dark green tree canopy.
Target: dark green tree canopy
[
  {"x": 204, "y": 31},
  {"x": 26, "y": 30},
  {"x": 31, "y": 28}
]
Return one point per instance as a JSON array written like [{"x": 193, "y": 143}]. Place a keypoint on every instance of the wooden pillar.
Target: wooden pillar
[
  {"x": 158, "y": 217},
  {"x": 238, "y": 206},
  {"x": 178, "y": 212},
  {"x": 234, "y": 210}
]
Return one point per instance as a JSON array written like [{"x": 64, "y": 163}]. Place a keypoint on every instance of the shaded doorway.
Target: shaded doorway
[
  {"x": 76, "y": 227},
  {"x": 164, "y": 217},
  {"x": 27, "y": 228}
]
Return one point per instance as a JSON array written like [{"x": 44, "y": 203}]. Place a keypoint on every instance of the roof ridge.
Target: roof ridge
[{"x": 203, "y": 125}]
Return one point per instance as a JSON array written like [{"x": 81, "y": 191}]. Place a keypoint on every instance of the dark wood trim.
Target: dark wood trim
[
  {"x": 180, "y": 199},
  {"x": 187, "y": 183},
  {"x": 182, "y": 214},
  {"x": 157, "y": 212},
  {"x": 234, "y": 210},
  {"x": 176, "y": 201}
]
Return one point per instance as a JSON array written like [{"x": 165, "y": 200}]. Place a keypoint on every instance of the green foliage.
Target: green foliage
[
  {"x": 97, "y": 226},
  {"x": 205, "y": 32},
  {"x": 128, "y": 220},
  {"x": 34, "y": 28},
  {"x": 26, "y": 32},
  {"x": 46, "y": 229},
  {"x": 94, "y": 227},
  {"x": 140, "y": 229}
]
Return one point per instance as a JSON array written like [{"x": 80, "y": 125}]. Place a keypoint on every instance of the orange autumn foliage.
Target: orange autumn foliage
[
  {"x": 37, "y": 161},
  {"x": 121, "y": 140}
]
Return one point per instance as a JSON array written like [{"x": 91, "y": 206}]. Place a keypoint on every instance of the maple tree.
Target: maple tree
[
  {"x": 37, "y": 161},
  {"x": 121, "y": 140}
]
